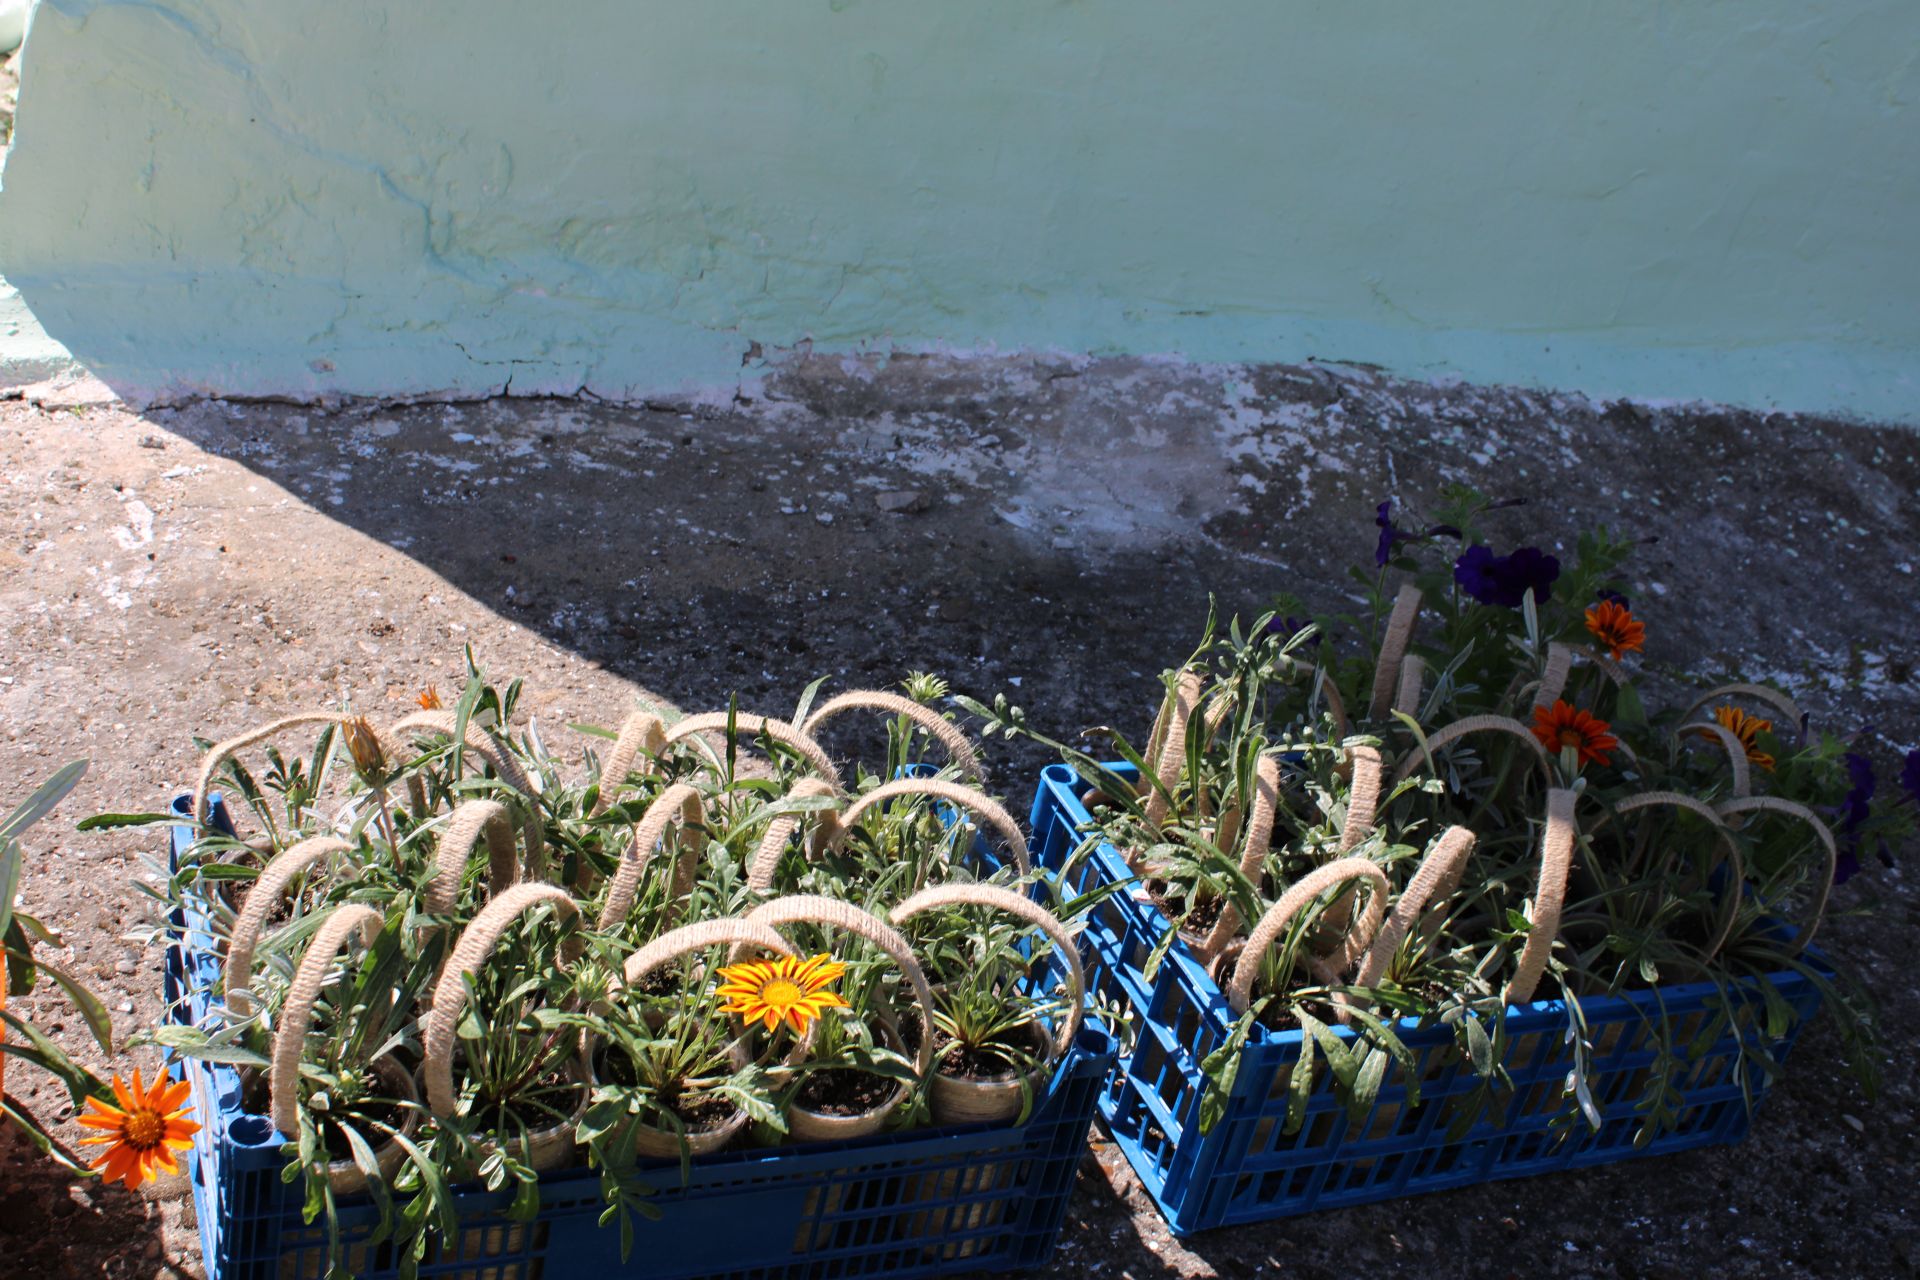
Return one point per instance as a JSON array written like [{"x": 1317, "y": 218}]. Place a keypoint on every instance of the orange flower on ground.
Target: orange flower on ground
[
  {"x": 1748, "y": 729},
  {"x": 1613, "y": 625},
  {"x": 1562, "y": 725},
  {"x": 788, "y": 988},
  {"x": 144, "y": 1130},
  {"x": 430, "y": 698}
]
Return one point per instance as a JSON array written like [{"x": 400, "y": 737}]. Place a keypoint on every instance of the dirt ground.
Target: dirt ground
[{"x": 1048, "y": 528}]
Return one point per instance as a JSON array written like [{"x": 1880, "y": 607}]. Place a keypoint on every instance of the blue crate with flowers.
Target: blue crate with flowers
[
  {"x": 682, "y": 1019},
  {"x": 1425, "y": 895}
]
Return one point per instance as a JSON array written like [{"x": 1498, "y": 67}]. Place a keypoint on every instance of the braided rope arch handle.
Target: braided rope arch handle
[
  {"x": 1336, "y": 705},
  {"x": 1737, "y": 864},
  {"x": 960, "y": 748},
  {"x": 1559, "y": 668},
  {"x": 1773, "y": 698},
  {"x": 1393, "y": 650},
  {"x": 268, "y": 888},
  {"x": 678, "y": 803},
  {"x": 778, "y": 730},
  {"x": 987, "y": 895},
  {"x": 1363, "y": 812},
  {"x": 1474, "y": 724},
  {"x": 978, "y": 803},
  {"x": 221, "y": 752},
  {"x": 1256, "y": 842},
  {"x": 469, "y": 953},
  {"x": 463, "y": 830},
  {"x": 290, "y": 1036},
  {"x": 766, "y": 857},
  {"x": 812, "y": 908},
  {"x": 1167, "y": 744},
  {"x": 1793, "y": 809},
  {"x": 1549, "y": 896},
  {"x": 1729, "y": 742},
  {"x": 1337, "y": 873},
  {"x": 494, "y": 752},
  {"x": 642, "y": 731},
  {"x": 1438, "y": 876}
]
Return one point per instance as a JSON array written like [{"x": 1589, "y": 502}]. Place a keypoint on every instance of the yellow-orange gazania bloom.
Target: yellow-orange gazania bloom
[
  {"x": 429, "y": 698},
  {"x": 144, "y": 1130},
  {"x": 1563, "y": 725},
  {"x": 1613, "y": 625},
  {"x": 788, "y": 988},
  {"x": 1748, "y": 729}
]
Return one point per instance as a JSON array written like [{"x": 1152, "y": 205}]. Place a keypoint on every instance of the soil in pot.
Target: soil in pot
[
  {"x": 845, "y": 1091},
  {"x": 703, "y": 1117}
]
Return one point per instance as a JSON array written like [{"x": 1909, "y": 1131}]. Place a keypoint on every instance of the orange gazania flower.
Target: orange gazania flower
[
  {"x": 144, "y": 1130},
  {"x": 429, "y": 698},
  {"x": 1748, "y": 729},
  {"x": 788, "y": 988},
  {"x": 1613, "y": 625},
  {"x": 1563, "y": 725}
]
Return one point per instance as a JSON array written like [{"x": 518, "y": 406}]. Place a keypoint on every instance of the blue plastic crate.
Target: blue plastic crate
[
  {"x": 1247, "y": 1169},
  {"x": 920, "y": 1203}
]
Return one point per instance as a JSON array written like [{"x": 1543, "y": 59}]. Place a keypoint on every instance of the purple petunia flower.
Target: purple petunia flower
[
  {"x": 1504, "y": 580},
  {"x": 1391, "y": 536},
  {"x": 1910, "y": 775},
  {"x": 1853, "y": 812},
  {"x": 1291, "y": 626}
]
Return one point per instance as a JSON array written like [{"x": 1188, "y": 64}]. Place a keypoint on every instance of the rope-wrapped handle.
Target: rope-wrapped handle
[
  {"x": 1363, "y": 811},
  {"x": 1730, "y": 743},
  {"x": 812, "y": 908},
  {"x": 1439, "y": 874},
  {"x": 472, "y": 950},
  {"x": 463, "y": 830},
  {"x": 643, "y": 731},
  {"x": 981, "y": 805},
  {"x": 1773, "y": 698},
  {"x": 1393, "y": 650},
  {"x": 987, "y": 895},
  {"x": 1336, "y": 874},
  {"x": 495, "y": 753},
  {"x": 268, "y": 888},
  {"x": 1257, "y": 840},
  {"x": 1474, "y": 724},
  {"x": 1737, "y": 865},
  {"x": 1167, "y": 745},
  {"x": 773, "y": 842},
  {"x": 283, "y": 1082},
  {"x": 778, "y": 730},
  {"x": 1791, "y": 809},
  {"x": 960, "y": 748},
  {"x": 679, "y": 803},
  {"x": 221, "y": 752},
  {"x": 1549, "y": 896}
]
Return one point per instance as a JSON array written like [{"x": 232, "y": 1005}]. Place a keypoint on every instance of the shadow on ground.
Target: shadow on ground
[{"x": 1052, "y": 530}]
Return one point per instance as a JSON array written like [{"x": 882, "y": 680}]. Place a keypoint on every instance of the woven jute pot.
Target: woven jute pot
[
  {"x": 999, "y": 1099},
  {"x": 544, "y": 1149},
  {"x": 290, "y": 1036}
]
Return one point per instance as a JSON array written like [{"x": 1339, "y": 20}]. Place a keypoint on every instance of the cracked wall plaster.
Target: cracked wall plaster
[{"x": 633, "y": 197}]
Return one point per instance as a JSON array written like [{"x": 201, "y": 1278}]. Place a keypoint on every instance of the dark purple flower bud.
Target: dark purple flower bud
[
  {"x": 1853, "y": 813},
  {"x": 1388, "y": 534},
  {"x": 1910, "y": 775},
  {"x": 1608, "y": 594},
  {"x": 1290, "y": 626},
  {"x": 1505, "y": 580}
]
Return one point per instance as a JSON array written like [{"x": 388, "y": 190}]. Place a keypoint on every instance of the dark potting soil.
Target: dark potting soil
[
  {"x": 980, "y": 1062},
  {"x": 704, "y": 1113},
  {"x": 845, "y": 1091}
]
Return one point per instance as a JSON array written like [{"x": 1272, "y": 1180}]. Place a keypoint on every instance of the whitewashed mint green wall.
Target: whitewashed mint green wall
[{"x": 1693, "y": 199}]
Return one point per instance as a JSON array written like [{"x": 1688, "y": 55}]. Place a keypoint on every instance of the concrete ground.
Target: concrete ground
[{"x": 1048, "y": 528}]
